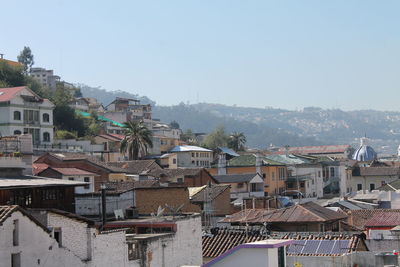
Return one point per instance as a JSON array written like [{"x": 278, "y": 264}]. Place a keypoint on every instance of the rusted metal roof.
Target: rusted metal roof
[{"x": 302, "y": 213}]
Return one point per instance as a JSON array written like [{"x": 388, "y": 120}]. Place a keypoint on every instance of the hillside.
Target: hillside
[{"x": 310, "y": 126}]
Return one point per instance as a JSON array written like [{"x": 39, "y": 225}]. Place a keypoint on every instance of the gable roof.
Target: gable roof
[
  {"x": 386, "y": 219},
  {"x": 112, "y": 137},
  {"x": 359, "y": 218},
  {"x": 136, "y": 166},
  {"x": 179, "y": 172},
  {"x": 393, "y": 186},
  {"x": 69, "y": 171},
  {"x": 236, "y": 178},
  {"x": 309, "y": 212},
  {"x": 207, "y": 193},
  {"x": 220, "y": 241},
  {"x": 29, "y": 181},
  {"x": 7, "y": 211},
  {"x": 6, "y": 94}
]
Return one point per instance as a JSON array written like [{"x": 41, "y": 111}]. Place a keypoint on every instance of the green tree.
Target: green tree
[
  {"x": 237, "y": 141},
  {"x": 26, "y": 58},
  {"x": 138, "y": 138},
  {"x": 217, "y": 138},
  {"x": 11, "y": 76}
]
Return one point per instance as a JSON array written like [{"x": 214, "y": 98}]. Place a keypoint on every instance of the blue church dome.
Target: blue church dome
[{"x": 364, "y": 152}]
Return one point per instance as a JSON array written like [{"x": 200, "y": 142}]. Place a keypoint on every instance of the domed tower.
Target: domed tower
[{"x": 364, "y": 152}]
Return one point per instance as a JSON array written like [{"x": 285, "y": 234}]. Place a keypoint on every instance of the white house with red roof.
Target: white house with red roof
[{"x": 24, "y": 112}]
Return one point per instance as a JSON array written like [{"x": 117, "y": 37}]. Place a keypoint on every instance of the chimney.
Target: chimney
[
  {"x": 222, "y": 164},
  {"x": 258, "y": 164}
]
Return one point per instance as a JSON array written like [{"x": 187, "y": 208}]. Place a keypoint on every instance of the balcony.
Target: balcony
[{"x": 57, "y": 148}]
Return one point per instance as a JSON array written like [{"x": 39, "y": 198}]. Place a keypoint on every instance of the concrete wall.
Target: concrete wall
[
  {"x": 183, "y": 248},
  {"x": 364, "y": 259},
  {"x": 36, "y": 246},
  {"x": 250, "y": 257}
]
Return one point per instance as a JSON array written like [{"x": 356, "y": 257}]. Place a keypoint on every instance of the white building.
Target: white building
[
  {"x": 193, "y": 156},
  {"x": 26, "y": 242},
  {"x": 265, "y": 253},
  {"x": 24, "y": 112}
]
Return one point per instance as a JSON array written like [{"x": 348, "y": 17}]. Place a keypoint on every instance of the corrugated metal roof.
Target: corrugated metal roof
[
  {"x": 189, "y": 149},
  {"x": 309, "y": 212},
  {"x": 305, "y": 150},
  {"x": 35, "y": 181},
  {"x": 228, "y": 151}
]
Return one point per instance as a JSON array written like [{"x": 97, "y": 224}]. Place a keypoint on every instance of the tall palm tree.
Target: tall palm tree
[
  {"x": 138, "y": 138},
  {"x": 237, "y": 141}
]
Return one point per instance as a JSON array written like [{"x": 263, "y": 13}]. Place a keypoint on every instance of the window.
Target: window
[
  {"x": 192, "y": 155},
  {"x": 46, "y": 137},
  {"x": 302, "y": 184},
  {"x": 179, "y": 180},
  {"x": 17, "y": 132},
  {"x": 319, "y": 173},
  {"x": 58, "y": 236},
  {"x": 15, "y": 233},
  {"x": 273, "y": 176},
  {"x": 281, "y": 174},
  {"x": 383, "y": 183},
  {"x": 371, "y": 187},
  {"x": 254, "y": 187},
  {"x": 87, "y": 180},
  {"x": 17, "y": 115},
  {"x": 174, "y": 161},
  {"x": 263, "y": 175},
  {"x": 359, "y": 187},
  {"x": 133, "y": 251},
  {"x": 52, "y": 194},
  {"x": 240, "y": 185},
  {"x": 16, "y": 260},
  {"x": 71, "y": 178},
  {"x": 289, "y": 185},
  {"x": 46, "y": 117},
  {"x": 332, "y": 172}
]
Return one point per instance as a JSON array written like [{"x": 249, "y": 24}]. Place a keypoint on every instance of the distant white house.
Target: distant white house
[
  {"x": 193, "y": 156},
  {"x": 24, "y": 112}
]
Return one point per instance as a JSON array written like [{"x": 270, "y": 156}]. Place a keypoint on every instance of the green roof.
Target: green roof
[
  {"x": 101, "y": 118},
  {"x": 250, "y": 160},
  {"x": 288, "y": 159}
]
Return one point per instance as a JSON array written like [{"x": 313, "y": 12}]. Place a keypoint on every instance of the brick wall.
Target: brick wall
[{"x": 147, "y": 200}]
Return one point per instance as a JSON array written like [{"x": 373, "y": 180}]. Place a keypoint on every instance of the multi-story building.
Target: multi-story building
[
  {"x": 24, "y": 112},
  {"x": 193, "y": 156},
  {"x": 45, "y": 77},
  {"x": 126, "y": 109}
]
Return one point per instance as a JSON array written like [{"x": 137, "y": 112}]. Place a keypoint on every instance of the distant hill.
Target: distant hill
[
  {"x": 106, "y": 97},
  {"x": 309, "y": 126}
]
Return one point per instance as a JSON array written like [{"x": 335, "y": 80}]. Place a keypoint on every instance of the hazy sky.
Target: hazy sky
[{"x": 288, "y": 54}]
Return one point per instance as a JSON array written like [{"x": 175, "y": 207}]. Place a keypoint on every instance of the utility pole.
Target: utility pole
[{"x": 103, "y": 205}]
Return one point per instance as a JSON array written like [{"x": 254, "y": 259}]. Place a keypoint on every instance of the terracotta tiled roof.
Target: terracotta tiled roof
[
  {"x": 235, "y": 178},
  {"x": 112, "y": 137},
  {"x": 221, "y": 241},
  {"x": 72, "y": 171},
  {"x": 176, "y": 172},
  {"x": 6, "y": 94},
  {"x": 39, "y": 167},
  {"x": 379, "y": 171},
  {"x": 308, "y": 212},
  {"x": 6, "y": 211},
  {"x": 136, "y": 166},
  {"x": 120, "y": 187},
  {"x": 359, "y": 218},
  {"x": 385, "y": 219}
]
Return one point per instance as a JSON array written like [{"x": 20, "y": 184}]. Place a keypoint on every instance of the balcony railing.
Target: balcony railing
[{"x": 57, "y": 148}]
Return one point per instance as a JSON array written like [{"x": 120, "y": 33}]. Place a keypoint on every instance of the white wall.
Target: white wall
[
  {"x": 250, "y": 257},
  {"x": 36, "y": 246},
  {"x": 81, "y": 178}
]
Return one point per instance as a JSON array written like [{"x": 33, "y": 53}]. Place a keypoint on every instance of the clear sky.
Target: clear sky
[{"x": 288, "y": 54}]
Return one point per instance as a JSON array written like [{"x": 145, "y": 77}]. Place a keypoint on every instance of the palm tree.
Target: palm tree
[
  {"x": 237, "y": 141},
  {"x": 138, "y": 138}
]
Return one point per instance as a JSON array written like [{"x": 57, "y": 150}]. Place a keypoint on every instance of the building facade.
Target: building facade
[{"x": 24, "y": 112}]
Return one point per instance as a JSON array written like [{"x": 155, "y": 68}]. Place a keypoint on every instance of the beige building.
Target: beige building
[{"x": 193, "y": 156}]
